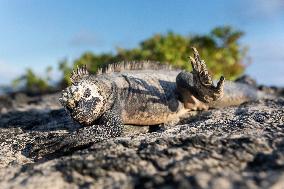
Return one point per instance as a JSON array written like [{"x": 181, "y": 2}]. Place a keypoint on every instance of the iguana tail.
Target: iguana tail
[{"x": 238, "y": 93}]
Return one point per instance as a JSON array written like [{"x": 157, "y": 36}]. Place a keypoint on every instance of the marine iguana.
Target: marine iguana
[{"x": 138, "y": 93}]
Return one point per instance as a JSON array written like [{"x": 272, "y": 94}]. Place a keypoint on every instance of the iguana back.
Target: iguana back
[{"x": 147, "y": 97}]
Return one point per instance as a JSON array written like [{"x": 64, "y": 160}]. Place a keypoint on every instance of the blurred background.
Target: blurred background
[{"x": 41, "y": 41}]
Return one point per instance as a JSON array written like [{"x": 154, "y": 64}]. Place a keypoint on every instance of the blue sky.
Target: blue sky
[{"x": 37, "y": 34}]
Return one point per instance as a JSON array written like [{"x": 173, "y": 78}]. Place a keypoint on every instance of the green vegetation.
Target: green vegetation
[
  {"x": 34, "y": 84},
  {"x": 220, "y": 49}
]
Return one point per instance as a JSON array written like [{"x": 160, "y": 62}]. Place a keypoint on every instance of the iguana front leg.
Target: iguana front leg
[
  {"x": 109, "y": 125},
  {"x": 198, "y": 85}
]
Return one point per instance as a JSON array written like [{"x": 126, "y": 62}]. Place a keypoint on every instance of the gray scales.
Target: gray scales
[{"x": 138, "y": 93}]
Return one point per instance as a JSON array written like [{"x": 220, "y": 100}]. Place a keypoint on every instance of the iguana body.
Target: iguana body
[
  {"x": 139, "y": 94},
  {"x": 151, "y": 97},
  {"x": 146, "y": 97}
]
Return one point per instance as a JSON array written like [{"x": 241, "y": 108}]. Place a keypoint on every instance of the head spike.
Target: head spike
[{"x": 79, "y": 73}]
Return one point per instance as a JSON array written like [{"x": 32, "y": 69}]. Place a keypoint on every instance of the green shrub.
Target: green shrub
[
  {"x": 31, "y": 83},
  {"x": 220, "y": 49}
]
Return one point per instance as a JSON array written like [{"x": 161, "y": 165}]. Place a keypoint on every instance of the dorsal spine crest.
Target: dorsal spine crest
[
  {"x": 133, "y": 65},
  {"x": 79, "y": 73}
]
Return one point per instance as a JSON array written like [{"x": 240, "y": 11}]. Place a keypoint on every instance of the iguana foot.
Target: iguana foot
[{"x": 203, "y": 85}]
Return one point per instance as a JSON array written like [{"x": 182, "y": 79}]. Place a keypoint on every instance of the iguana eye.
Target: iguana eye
[{"x": 87, "y": 93}]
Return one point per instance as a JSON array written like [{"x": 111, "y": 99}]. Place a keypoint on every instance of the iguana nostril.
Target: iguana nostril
[
  {"x": 65, "y": 95},
  {"x": 72, "y": 89},
  {"x": 71, "y": 103}
]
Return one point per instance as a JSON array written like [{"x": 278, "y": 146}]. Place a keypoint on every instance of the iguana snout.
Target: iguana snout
[{"x": 83, "y": 101}]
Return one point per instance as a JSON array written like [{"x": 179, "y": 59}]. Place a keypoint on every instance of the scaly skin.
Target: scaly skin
[{"x": 147, "y": 96}]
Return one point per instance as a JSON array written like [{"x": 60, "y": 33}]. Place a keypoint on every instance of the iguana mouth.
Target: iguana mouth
[
  {"x": 69, "y": 98},
  {"x": 65, "y": 98}
]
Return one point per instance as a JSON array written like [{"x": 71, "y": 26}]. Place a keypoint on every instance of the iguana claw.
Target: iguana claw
[{"x": 203, "y": 83}]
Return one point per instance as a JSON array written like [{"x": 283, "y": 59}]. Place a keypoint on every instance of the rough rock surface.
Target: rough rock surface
[{"x": 234, "y": 147}]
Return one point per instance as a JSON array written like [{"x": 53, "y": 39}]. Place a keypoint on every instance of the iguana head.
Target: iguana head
[{"x": 83, "y": 99}]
